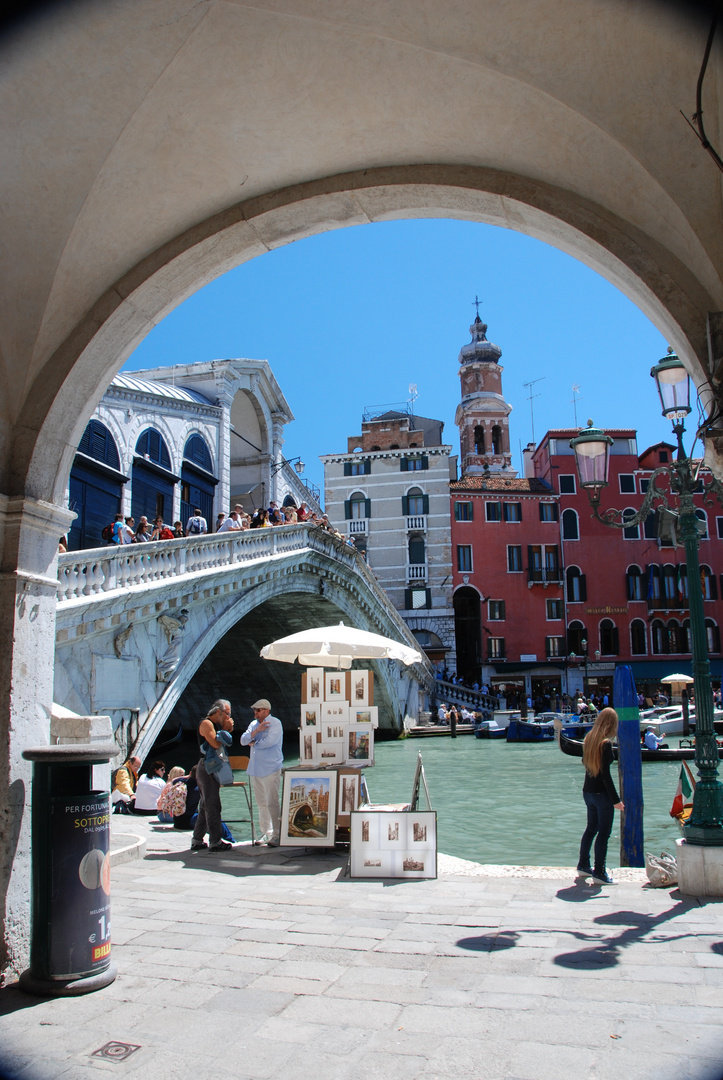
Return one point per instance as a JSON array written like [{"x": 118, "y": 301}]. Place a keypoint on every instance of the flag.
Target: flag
[{"x": 686, "y": 783}]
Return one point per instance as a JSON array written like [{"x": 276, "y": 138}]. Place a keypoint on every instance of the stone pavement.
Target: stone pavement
[{"x": 272, "y": 964}]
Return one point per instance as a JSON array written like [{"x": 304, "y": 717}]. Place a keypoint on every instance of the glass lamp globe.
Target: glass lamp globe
[
  {"x": 673, "y": 383},
  {"x": 592, "y": 454}
]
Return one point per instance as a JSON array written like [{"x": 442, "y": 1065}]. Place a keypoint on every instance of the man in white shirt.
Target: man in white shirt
[
  {"x": 231, "y": 523},
  {"x": 196, "y": 525},
  {"x": 127, "y": 532}
]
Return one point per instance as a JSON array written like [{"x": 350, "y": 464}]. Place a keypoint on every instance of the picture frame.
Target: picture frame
[
  {"x": 361, "y": 688},
  {"x": 366, "y": 714},
  {"x": 308, "y": 747},
  {"x": 335, "y": 686},
  {"x": 331, "y": 752},
  {"x": 334, "y": 712},
  {"x": 310, "y": 715},
  {"x": 360, "y": 744},
  {"x": 348, "y": 795},
  {"x": 308, "y": 808},
  {"x": 313, "y": 688}
]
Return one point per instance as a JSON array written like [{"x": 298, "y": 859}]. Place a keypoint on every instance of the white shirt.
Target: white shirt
[
  {"x": 147, "y": 792},
  {"x": 229, "y": 524}
]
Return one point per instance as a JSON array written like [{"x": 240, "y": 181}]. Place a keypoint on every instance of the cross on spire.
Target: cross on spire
[{"x": 477, "y": 303}]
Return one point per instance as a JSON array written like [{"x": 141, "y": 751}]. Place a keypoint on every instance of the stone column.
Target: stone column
[
  {"x": 223, "y": 489},
  {"x": 29, "y": 534}
]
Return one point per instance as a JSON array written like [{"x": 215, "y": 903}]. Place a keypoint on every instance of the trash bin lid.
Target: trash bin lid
[{"x": 89, "y": 753}]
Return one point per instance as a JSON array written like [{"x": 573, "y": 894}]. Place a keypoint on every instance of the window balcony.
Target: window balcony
[
  {"x": 417, "y": 572},
  {"x": 357, "y": 527},
  {"x": 538, "y": 576},
  {"x": 416, "y": 523}
]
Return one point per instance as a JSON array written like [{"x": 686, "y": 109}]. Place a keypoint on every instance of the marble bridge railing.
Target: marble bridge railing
[{"x": 95, "y": 571}]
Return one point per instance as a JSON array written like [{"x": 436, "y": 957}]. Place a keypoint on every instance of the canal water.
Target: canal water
[{"x": 508, "y": 803}]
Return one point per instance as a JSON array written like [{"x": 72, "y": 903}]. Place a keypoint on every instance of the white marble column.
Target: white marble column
[{"x": 29, "y": 534}]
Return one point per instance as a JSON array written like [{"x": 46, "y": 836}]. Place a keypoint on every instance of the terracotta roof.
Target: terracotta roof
[{"x": 531, "y": 486}]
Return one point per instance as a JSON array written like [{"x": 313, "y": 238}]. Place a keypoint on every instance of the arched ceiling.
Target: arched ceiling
[{"x": 149, "y": 147}]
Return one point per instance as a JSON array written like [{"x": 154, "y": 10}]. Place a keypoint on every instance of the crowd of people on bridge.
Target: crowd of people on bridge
[{"x": 124, "y": 530}]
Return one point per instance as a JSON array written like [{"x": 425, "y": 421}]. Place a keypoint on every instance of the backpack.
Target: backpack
[
  {"x": 173, "y": 801},
  {"x": 107, "y": 534},
  {"x": 166, "y": 533},
  {"x": 194, "y": 526}
]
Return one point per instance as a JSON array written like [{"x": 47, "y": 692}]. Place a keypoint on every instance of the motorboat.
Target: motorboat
[
  {"x": 489, "y": 729},
  {"x": 535, "y": 729}
]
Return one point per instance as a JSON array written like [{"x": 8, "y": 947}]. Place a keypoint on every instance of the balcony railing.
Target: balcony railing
[
  {"x": 544, "y": 575},
  {"x": 417, "y": 522},
  {"x": 417, "y": 572},
  {"x": 357, "y": 527}
]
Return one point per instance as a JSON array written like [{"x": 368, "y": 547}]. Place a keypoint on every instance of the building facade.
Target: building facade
[
  {"x": 389, "y": 494},
  {"x": 546, "y": 598},
  {"x": 165, "y": 441}
]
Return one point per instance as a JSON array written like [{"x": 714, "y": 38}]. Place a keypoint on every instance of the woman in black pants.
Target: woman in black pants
[{"x": 600, "y": 795}]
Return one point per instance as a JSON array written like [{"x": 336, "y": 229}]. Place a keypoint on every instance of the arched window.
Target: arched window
[
  {"x": 703, "y": 517},
  {"x": 196, "y": 451},
  {"x": 416, "y": 549},
  {"x": 634, "y": 578},
  {"x": 660, "y": 638},
  {"x": 638, "y": 642},
  {"x": 712, "y": 634},
  {"x": 98, "y": 443},
  {"x": 633, "y": 532},
  {"x": 416, "y": 503},
  {"x": 479, "y": 439},
  {"x": 576, "y": 634},
  {"x": 496, "y": 439},
  {"x": 685, "y": 636},
  {"x": 357, "y": 507},
  {"x": 152, "y": 445},
  {"x": 576, "y": 586},
  {"x": 708, "y": 583},
  {"x": 675, "y": 643},
  {"x": 650, "y": 526},
  {"x": 670, "y": 585},
  {"x": 570, "y": 525},
  {"x": 609, "y": 638},
  {"x": 653, "y": 586}
]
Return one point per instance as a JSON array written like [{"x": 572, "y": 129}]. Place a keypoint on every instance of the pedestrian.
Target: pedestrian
[
  {"x": 149, "y": 788},
  {"x": 124, "y": 786},
  {"x": 196, "y": 525},
  {"x": 600, "y": 795},
  {"x": 230, "y": 524},
  {"x": 265, "y": 736},
  {"x": 208, "y": 821}
]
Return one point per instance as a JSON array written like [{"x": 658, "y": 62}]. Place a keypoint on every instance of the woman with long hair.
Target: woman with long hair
[{"x": 600, "y": 795}]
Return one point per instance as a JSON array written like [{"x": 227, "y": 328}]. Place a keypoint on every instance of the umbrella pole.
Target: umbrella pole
[{"x": 686, "y": 714}]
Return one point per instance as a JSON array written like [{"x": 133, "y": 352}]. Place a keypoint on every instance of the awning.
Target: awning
[{"x": 657, "y": 669}]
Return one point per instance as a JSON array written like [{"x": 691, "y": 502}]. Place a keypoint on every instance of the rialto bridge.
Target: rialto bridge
[{"x": 152, "y": 631}]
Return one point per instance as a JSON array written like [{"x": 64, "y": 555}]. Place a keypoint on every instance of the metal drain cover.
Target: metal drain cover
[{"x": 116, "y": 1051}]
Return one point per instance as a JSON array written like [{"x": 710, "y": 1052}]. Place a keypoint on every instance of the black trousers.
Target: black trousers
[{"x": 209, "y": 808}]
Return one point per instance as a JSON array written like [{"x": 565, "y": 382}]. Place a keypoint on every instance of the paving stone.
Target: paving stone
[
  {"x": 344, "y": 1012},
  {"x": 539, "y": 1061}
]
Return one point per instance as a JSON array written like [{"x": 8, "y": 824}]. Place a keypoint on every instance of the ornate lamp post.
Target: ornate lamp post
[{"x": 592, "y": 448}]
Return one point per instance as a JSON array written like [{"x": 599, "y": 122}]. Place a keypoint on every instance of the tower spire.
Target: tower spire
[{"x": 482, "y": 415}]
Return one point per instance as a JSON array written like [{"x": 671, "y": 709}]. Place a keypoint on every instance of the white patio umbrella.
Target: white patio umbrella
[
  {"x": 337, "y": 646},
  {"x": 677, "y": 678}
]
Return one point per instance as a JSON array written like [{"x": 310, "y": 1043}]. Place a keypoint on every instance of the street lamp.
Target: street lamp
[
  {"x": 583, "y": 643},
  {"x": 592, "y": 447}
]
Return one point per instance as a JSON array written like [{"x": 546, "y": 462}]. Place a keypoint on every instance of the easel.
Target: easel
[{"x": 419, "y": 776}]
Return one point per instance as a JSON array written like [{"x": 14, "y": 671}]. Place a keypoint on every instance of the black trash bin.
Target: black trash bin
[{"x": 70, "y": 951}]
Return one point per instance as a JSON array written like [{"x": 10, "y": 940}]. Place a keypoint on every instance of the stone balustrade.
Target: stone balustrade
[{"x": 96, "y": 571}]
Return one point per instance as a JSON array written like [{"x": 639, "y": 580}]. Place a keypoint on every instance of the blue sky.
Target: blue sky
[{"x": 351, "y": 318}]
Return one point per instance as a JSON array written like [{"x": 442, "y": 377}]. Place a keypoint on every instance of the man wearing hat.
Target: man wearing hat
[{"x": 265, "y": 736}]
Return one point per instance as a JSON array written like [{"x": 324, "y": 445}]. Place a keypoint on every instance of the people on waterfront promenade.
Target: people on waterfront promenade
[
  {"x": 265, "y": 736},
  {"x": 196, "y": 524},
  {"x": 600, "y": 795},
  {"x": 208, "y": 821},
  {"x": 124, "y": 786},
  {"x": 149, "y": 788}
]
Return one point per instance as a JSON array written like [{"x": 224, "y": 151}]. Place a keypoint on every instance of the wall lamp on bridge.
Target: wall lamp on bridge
[{"x": 297, "y": 463}]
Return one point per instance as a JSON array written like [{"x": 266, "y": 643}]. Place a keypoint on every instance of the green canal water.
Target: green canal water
[{"x": 516, "y": 803}]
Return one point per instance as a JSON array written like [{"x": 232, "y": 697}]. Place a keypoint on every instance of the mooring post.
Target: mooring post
[{"x": 630, "y": 766}]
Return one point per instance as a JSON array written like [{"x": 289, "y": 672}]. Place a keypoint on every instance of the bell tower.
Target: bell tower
[{"x": 483, "y": 414}]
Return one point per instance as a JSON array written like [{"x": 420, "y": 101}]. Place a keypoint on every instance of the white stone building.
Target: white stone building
[
  {"x": 390, "y": 492},
  {"x": 164, "y": 441}
]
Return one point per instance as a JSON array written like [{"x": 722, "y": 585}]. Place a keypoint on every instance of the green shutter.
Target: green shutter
[
  {"x": 367, "y": 508},
  {"x": 425, "y": 461},
  {"x": 347, "y": 510},
  {"x": 405, "y": 505},
  {"x": 367, "y": 466},
  {"x": 347, "y": 468},
  {"x": 407, "y": 599},
  {"x": 404, "y": 464},
  {"x": 425, "y": 504}
]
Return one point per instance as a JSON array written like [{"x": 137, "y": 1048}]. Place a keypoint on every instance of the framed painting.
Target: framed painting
[
  {"x": 367, "y": 714},
  {"x": 348, "y": 795},
  {"x": 334, "y": 733},
  {"x": 308, "y": 749},
  {"x": 335, "y": 712},
  {"x": 330, "y": 753},
  {"x": 313, "y": 690},
  {"x": 361, "y": 685},
  {"x": 335, "y": 686},
  {"x": 360, "y": 744},
  {"x": 310, "y": 716},
  {"x": 308, "y": 808}
]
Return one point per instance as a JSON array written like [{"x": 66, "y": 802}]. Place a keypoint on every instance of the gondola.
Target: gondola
[{"x": 573, "y": 747}]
